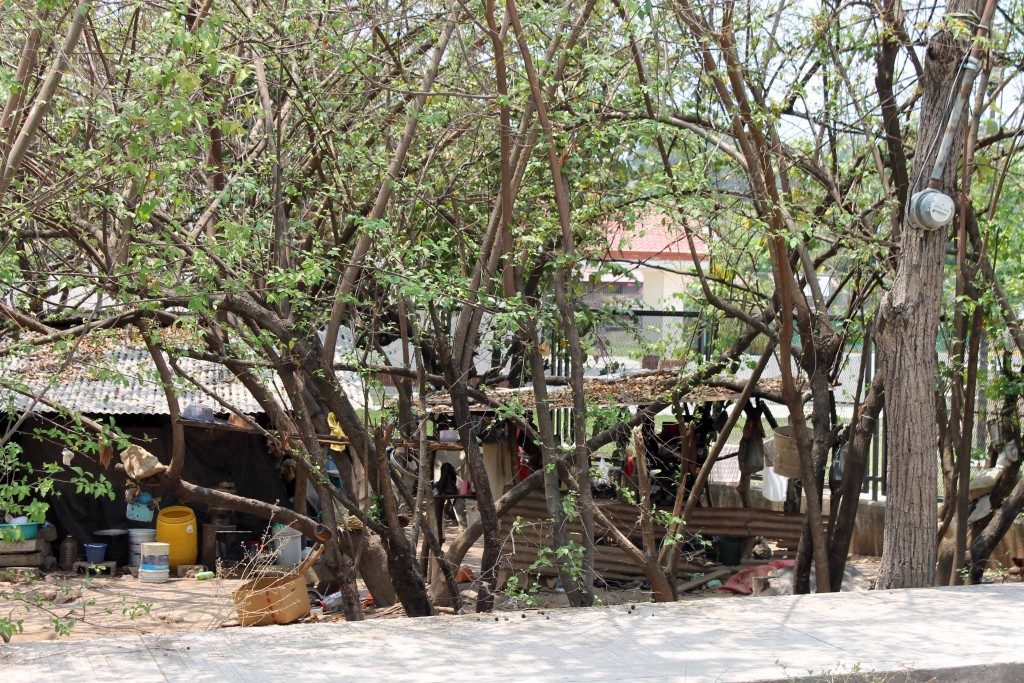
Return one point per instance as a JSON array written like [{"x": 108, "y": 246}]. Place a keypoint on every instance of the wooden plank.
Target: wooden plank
[
  {"x": 707, "y": 578},
  {"x": 21, "y": 560},
  {"x": 612, "y": 563}
]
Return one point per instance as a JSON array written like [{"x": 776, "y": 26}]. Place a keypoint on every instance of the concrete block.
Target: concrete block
[
  {"x": 186, "y": 571},
  {"x": 107, "y": 568},
  {"x": 21, "y": 560},
  {"x": 20, "y": 547},
  {"x": 20, "y": 574}
]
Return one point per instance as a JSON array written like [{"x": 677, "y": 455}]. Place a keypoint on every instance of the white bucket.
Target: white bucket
[
  {"x": 288, "y": 544},
  {"x": 156, "y": 557},
  {"x": 154, "y": 575},
  {"x": 136, "y": 537}
]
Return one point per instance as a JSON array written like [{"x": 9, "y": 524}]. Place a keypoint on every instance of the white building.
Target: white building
[{"x": 655, "y": 260}]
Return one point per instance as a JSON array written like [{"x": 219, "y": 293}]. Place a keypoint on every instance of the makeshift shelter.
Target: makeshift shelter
[
  {"x": 113, "y": 379},
  {"x": 629, "y": 392}
]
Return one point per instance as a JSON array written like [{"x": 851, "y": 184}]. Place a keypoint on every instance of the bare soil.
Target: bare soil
[
  {"x": 77, "y": 608},
  {"x": 111, "y": 606}
]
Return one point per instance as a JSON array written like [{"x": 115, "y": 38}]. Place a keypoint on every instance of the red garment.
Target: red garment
[
  {"x": 743, "y": 581},
  {"x": 524, "y": 467}
]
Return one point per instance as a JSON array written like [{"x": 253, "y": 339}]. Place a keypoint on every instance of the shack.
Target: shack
[
  {"x": 677, "y": 446},
  {"x": 113, "y": 379}
]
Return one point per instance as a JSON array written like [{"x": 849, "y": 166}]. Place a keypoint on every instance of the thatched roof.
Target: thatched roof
[{"x": 620, "y": 391}]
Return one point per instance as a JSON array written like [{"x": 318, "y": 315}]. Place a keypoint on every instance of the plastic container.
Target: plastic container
[
  {"x": 95, "y": 553},
  {"x": 177, "y": 527},
  {"x": 20, "y": 532},
  {"x": 155, "y": 556},
  {"x": 271, "y": 600},
  {"x": 136, "y": 537},
  {"x": 140, "y": 511},
  {"x": 137, "y": 512},
  {"x": 154, "y": 575},
  {"x": 68, "y": 553},
  {"x": 787, "y": 457},
  {"x": 730, "y": 550},
  {"x": 287, "y": 545},
  {"x": 117, "y": 544}
]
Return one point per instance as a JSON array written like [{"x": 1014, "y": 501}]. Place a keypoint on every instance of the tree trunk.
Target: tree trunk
[
  {"x": 552, "y": 482},
  {"x": 1007, "y": 498},
  {"x": 908, "y": 330},
  {"x": 485, "y": 501},
  {"x": 367, "y": 553},
  {"x": 845, "y": 506},
  {"x": 822, "y": 425}
]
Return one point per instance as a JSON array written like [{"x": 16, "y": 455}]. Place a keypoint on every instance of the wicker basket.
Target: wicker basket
[{"x": 787, "y": 456}]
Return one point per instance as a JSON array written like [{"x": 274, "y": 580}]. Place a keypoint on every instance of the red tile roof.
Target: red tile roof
[{"x": 655, "y": 236}]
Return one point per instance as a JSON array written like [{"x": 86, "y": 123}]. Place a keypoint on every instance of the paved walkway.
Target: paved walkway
[{"x": 954, "y": 634}]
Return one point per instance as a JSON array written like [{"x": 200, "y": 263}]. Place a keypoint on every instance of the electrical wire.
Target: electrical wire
[{"x": 947, "y": 109}]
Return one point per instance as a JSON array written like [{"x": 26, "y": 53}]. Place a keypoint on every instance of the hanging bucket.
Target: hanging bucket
[
  {"x": 176, "y": 526},
  {"x": 787, "y": 456},
  {"x": 136, "y": 537}
]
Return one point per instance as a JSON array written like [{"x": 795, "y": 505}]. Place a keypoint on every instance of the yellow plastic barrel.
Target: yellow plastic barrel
[{"x": 176, "y": 526}]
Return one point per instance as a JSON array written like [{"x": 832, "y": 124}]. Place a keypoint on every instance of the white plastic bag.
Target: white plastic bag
[
  {"x": 983, "y": 482},
  {"x": 981, "y": 510},
  {"x": 774, "y": 485}
]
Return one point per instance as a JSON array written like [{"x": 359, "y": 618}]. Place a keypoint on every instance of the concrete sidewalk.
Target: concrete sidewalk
[{"x": 948, "y": 634}]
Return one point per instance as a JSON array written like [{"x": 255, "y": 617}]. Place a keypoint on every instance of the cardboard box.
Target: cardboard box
[{"x": 271, "y": 600}]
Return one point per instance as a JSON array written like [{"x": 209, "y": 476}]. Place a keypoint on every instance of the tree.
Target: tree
[
  {"x": 908, "y": 328},
  {"x": 318, "y": 196}
]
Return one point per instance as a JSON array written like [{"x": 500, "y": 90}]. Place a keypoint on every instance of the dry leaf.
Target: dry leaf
[{"x": 106, "y": 454}]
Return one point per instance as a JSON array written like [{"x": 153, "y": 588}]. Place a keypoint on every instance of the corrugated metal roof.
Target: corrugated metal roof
[
  {"x": 111, "y": 373},
  {"x": 122, "y": 381}
]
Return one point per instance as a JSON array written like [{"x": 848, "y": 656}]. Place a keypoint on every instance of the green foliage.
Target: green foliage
[{"x": 217, "y": 179}]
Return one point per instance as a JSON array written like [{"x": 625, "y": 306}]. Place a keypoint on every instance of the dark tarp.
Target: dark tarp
[{"x": 213, "y": 456}]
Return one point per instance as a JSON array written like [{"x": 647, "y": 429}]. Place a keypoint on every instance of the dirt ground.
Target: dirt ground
[
  {"x": 109, "y": 606},
  {"x": 73, "y": 607}
]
